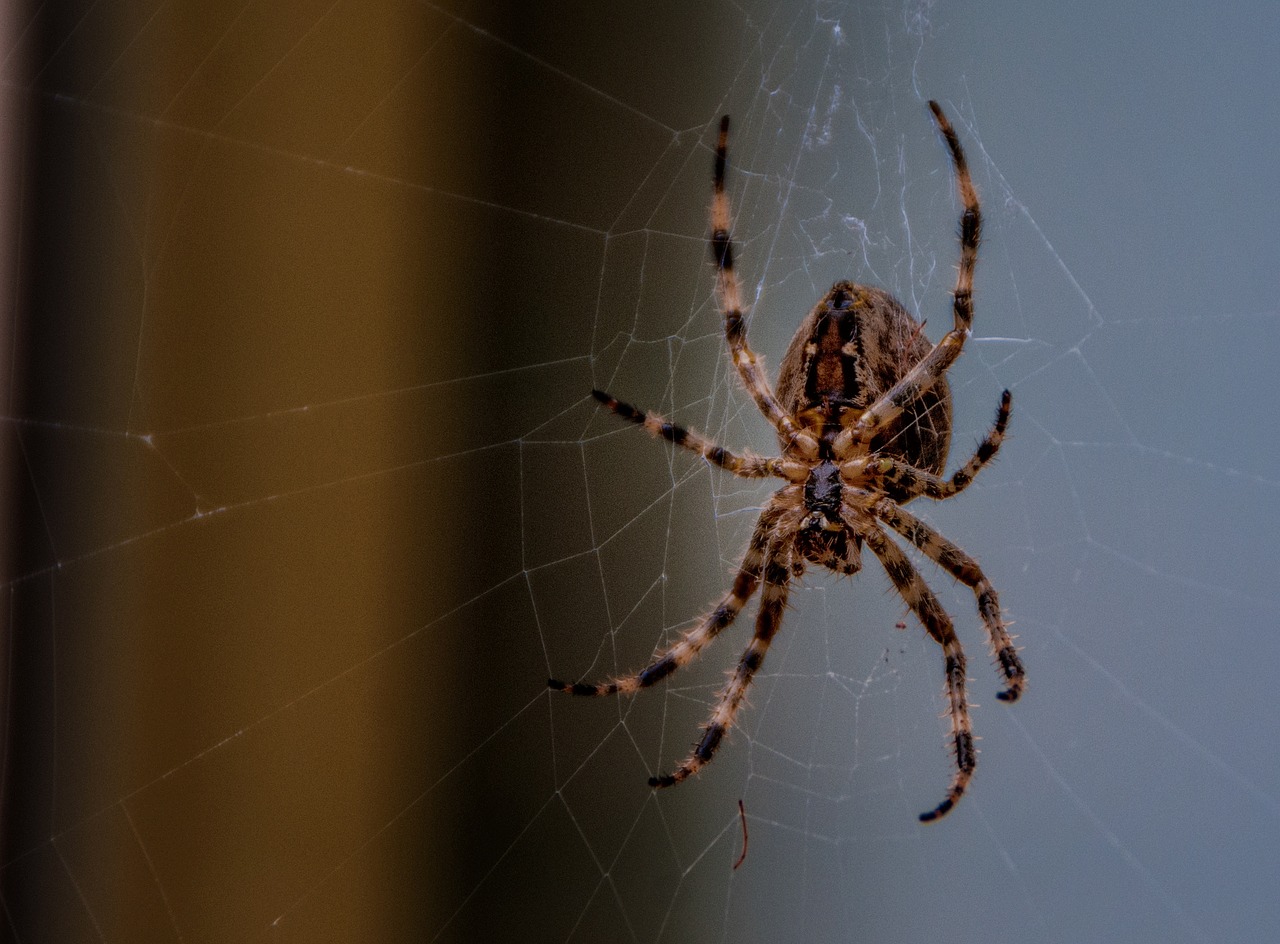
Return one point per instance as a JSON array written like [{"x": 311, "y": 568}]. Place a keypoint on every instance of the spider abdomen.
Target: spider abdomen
[{"x": 851, "y": 348}]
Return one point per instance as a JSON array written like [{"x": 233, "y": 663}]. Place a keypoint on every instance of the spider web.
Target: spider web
[{"x": 307, "y": 495}]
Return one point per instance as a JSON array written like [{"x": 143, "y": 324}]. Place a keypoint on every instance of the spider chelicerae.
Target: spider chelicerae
[{"x": 863, "y": 416}]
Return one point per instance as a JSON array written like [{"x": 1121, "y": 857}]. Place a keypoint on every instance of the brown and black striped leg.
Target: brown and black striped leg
[
  {"x": 951, "y": 558},
  {"x": 773, "y": 600},
  {"x": 729, "y": 292},
  {"x": 926, "y": 373},
  {"x": 987, "y": 449},
  {"x": 881, "y": 471},
  {"x": 747, "y": 465},
  {"x": 911, "y": 587},
  {"x": 970, "y": 223},
  {"x": 692, "y": 642}
]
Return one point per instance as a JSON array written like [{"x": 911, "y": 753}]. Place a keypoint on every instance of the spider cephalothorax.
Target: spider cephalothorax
[{"x": 863, "y": 416}]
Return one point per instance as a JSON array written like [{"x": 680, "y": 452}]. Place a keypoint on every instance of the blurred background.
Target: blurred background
[{"x": 304, "y": 494}]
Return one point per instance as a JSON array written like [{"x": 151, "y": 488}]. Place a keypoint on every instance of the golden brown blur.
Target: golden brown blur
[
  {"x": 228, "y": 337},
  {"x": 308, "y": 492}
]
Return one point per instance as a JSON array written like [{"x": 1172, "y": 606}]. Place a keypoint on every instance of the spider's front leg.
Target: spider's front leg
[
  {"x": 952, "y": 558},
  {"x": 912, "y": 588},
  {"x": 773, "y": 600},
  {"x": 692, "y": 642}
]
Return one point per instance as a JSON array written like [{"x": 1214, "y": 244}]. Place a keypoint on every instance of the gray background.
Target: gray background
[{"x": 312, "y": 497}]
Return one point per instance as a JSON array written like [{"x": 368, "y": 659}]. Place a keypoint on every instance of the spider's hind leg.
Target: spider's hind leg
[
  {"x": 935, "y": 364},
  {"x": 970, "y": 223},
  {"x": 729, "y": 293}
]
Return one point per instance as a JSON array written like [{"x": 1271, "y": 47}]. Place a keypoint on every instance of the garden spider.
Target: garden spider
[{"x": 863, "y": 416}]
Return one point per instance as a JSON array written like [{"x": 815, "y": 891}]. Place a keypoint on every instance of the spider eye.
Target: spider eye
[{"x": 840, "y": 301}]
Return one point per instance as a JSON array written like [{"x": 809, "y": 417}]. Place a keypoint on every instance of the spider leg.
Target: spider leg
[
  {"x": 934, "y": 364},
  {"x": 951, "y": 558},
  {"x": 970, "y": 224},
  {"x": 986, "y": 450},
  {"x": 748, "y": 466},
  {"x": 912, "y": 588},
  {"x": 686, "y": 649},
  {"x": 729, "y": 292},
  {"x": 880, "y": 471},
  {"x": 773, "y": 600}
]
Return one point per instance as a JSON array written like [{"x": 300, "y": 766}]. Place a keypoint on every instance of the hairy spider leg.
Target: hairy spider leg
[
  {"x": 886, "y": 473},
  {"x": 953, "y": 559},
  {"x": 934, "y": 364},
  {"x": 729, "y": 292},
  {"x": 912, "y": 588},
  {"x": 686, "y": 649},
  {"x": 773, "y": 601},
  {"x": 970, "y": 223},
  {"x": 747, "y": 465}
]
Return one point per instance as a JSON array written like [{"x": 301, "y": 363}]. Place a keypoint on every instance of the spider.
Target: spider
[{"x": 863, "y": 416}]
